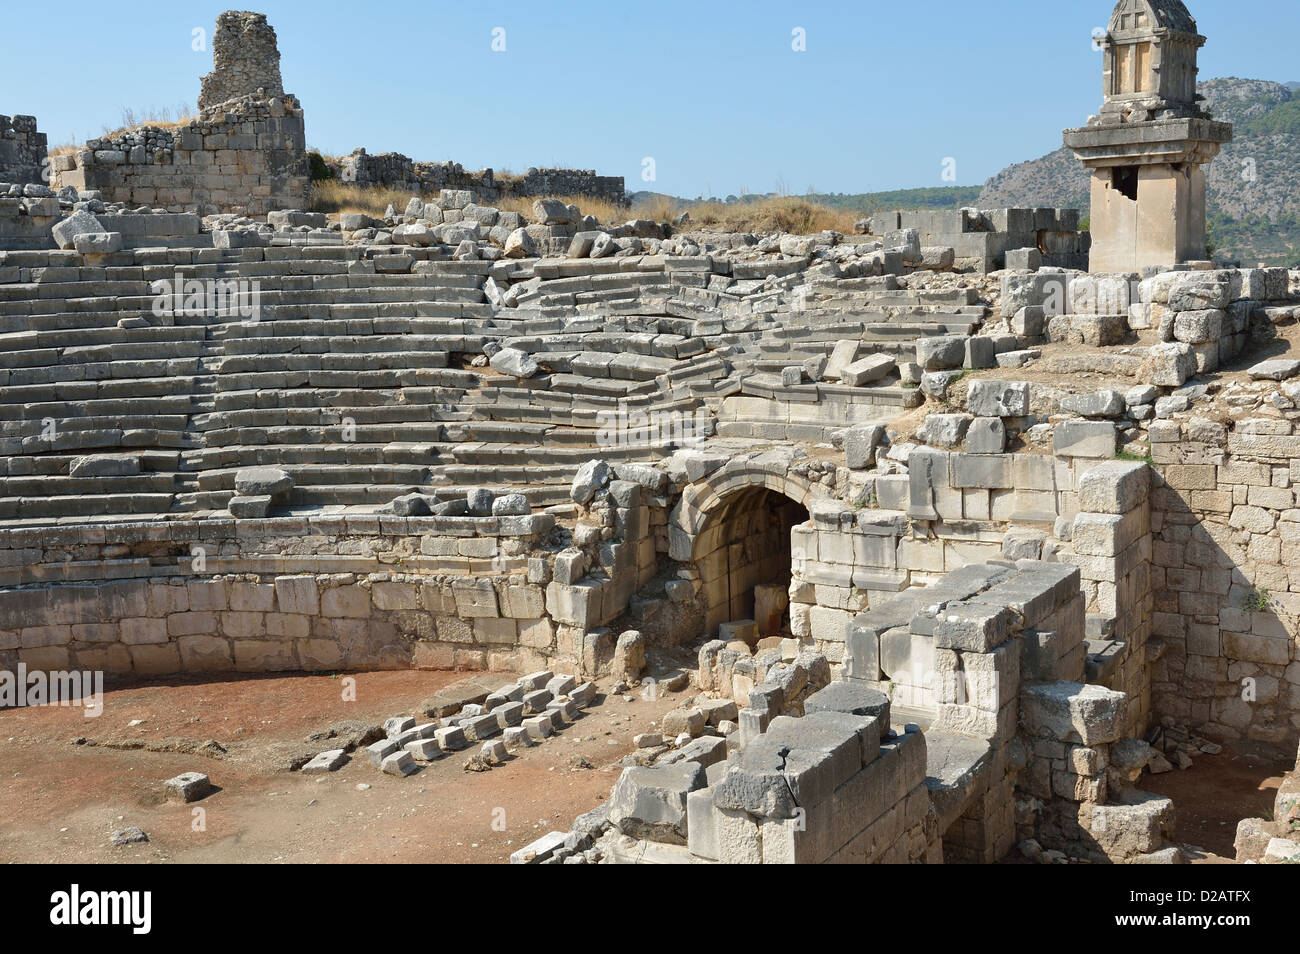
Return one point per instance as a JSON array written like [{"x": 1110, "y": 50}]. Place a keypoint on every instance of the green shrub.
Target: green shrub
[{"x": 320, "y": 170}]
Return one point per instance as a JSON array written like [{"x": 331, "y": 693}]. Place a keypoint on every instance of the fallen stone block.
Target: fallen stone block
[
  {"x": 650, "y": 802},
  {"x": 397, "y": 725},
  {"x": 848, "y": 697},
  {"x": 480, "y": 727},
  {"x": 98, "y": 243},
  {"x": 516, "y": 363},
  {"x": 867, "y": 370},
  {"x": 271, "y": 481},
  {"x": 1104, "y": 403},
  {"x": 561, "y": 685},
  {"x": 941, "y": 353},
  {"x": 997, "y": 398},
  {"x": 187, "y": 787},
  {"x": 1138, "y": 823},
  {"x": 423, "y": 750},
  {"x": 450, "y": 738},
  {"x": 330, "y": 761},
  {"x": 78, "y": 223},
  {"x": 1279, "y": 369},
  {"x": 399, "y": 763},
  {"x": 683, "y": 721},
  {"x": 540, "y": 850},
  {"x": 583, "y": 695},
  {"x": 842, "y": 355},
  {"x": 250, "y": 508},
  {"x": 539, "y": 727},
  {"x": 707, "y": 750},
  {"x": 378, "y": 751}
]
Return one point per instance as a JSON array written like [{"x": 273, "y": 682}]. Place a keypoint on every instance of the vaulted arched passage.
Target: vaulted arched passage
[
  {"x": 734, "y": 528},
  {"x": 745, "y": 544}
]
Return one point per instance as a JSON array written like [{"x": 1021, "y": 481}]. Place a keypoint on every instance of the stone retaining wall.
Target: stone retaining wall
[{"x": 1226, "y": 554}]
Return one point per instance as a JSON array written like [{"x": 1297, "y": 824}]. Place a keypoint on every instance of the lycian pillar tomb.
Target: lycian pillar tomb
[{"x": 1148, "y": 148}]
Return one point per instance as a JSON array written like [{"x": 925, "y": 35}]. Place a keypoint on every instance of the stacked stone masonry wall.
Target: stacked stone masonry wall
[
  {"x": 23, "y": 151},
  {"x": 393, "y": 170},
  {"x": 251, "y": 158}
]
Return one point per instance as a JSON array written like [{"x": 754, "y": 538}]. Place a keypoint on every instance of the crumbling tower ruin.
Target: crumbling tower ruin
[
  {"x": 1148, "y": 147},
  {"x": 245, "y": 154},
  {"x": 245, "y": 60}
]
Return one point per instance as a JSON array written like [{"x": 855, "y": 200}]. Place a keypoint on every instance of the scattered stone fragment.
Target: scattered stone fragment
[{"x": 187, "y": 787}]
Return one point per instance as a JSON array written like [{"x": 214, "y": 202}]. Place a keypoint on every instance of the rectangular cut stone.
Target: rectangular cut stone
[
  {"x": 1085, "y": 439},
  {"x": 1115, "y": 487}
]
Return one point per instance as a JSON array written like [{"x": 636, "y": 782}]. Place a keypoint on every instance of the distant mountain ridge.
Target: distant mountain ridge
[{"x": 1254, "y": 183}]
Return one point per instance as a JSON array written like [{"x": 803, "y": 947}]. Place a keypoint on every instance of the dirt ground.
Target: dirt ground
[
  {"x": 1216, "y": 793},
  {"x": 61, "y": 802}
]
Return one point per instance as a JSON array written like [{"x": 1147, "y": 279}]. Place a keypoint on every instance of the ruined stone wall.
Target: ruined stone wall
[
  {"x": 865, "y": 803},
  {"x": 391, "y": 170},
  {"x": 250, "y": 159},
  {"x": 983, "y": 239},
  {"x": 278, "y": 594},
  {"x": 22, "y": 151},
  {"x": 1226, "y": 529},
  {"x": 326, "y": 591},
  {"x": 245, "y": 61}
]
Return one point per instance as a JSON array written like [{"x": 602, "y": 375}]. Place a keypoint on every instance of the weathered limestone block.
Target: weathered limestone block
[
  {"x": 1085, "y": 439},
  {"x": 998, "y": 398},
  {"x": 1104, "y": 403},
  {"x": 941, "y": 353},
  {"x": 1072, "y": 712},
  {"x": 78, "y": 223},
  {"x": 1114, "y": 487},
  {"x": 650, "y": 802},
  {"x": 867, "y": 370},
  {"x": 1137, "y": 824},
  {"x": 1168, "y": 365}
]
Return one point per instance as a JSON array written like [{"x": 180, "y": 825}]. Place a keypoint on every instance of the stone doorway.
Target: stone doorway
[{"x": 743, "y": 556}]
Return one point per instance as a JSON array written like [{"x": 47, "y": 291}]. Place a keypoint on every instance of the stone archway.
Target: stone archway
[{"x": 734, "y": 528}]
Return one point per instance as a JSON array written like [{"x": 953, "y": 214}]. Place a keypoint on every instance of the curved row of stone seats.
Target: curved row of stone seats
[
  {"x": 344, "y": 383},
  {"x": 96, "y": 391}
]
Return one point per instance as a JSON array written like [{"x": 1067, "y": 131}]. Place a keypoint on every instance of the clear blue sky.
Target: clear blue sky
[{"x": 710, "y": 89}]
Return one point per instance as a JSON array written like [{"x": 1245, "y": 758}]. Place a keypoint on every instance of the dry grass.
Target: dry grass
[
  {"x": 792, "y": 215},
  {"x": 162, "y": 118},
  {"x": 330, "y": 195}
]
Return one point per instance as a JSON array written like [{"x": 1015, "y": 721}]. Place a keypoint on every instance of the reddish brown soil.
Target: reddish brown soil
[
  {"x": 61, "y": 802},
  {"x": 1216, "y": 793}
]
